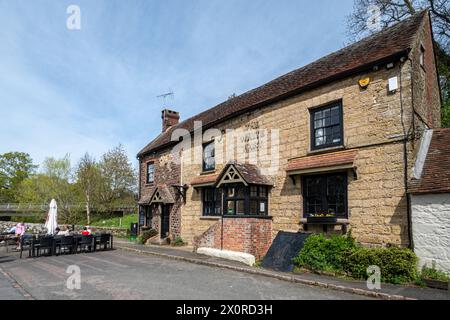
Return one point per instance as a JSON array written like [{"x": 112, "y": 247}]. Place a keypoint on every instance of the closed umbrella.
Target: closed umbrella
[{"x": 52, "y": 218}]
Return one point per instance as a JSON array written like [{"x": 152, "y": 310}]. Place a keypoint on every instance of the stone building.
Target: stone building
[{"x": 329, "y": 147}]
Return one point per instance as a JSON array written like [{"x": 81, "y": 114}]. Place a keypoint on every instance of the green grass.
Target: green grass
[{"x": 115, "y": 222}]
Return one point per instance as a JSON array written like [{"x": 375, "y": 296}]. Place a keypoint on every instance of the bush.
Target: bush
[
  {"x": 327, "y": 254},
  {"x": 397, "y": 265},
  {"x": 178, "y": 242},
  {"x": 145, "y": 235},
  {"x": 341, "y": 254}
]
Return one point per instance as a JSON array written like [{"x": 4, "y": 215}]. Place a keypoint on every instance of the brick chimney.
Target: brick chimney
[{"x": 169, "y": 119}]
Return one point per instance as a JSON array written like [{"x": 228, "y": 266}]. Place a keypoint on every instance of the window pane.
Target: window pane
[
  {"x": 240, "y": 207},
  {"x": 230, "y": 207},
  {"x": 263, "y": 192},
  {"x": 318, "y": 115},
  {"x": 253, "y": 192},
  {"x": 230, "y": 193},
  {"x": 262, "y": 207},
  {"x": 241, "y": 192},
  {"x": 209, "y": 162},
  {"x": 254, "y": 208}
]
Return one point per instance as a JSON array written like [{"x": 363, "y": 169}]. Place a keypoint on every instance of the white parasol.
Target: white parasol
[{"x": 52, "y": 218}]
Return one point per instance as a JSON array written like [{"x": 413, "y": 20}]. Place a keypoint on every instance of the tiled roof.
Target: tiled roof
[
  {"x": 333, "y": 159},
  {"x": 436, "y": 170},
  {"x": 204, "y": 180},
  {"x": 164, "y": 193},
  {"x": 251, "y": 174},
  {"x": 387, "y": 44}
]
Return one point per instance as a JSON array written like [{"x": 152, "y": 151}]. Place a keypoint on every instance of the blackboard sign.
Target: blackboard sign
[
  {"x": 134, "y": 229},
  {"x": 285, "y": 247}
]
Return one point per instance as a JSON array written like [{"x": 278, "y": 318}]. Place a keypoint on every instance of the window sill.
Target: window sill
[
  {"x": 150, "y": 184},
  {"x": 205, "y": 173},
  {"x": 339, "y": 221},
  {"x": 248, "y": 217},
  {"x": 325, "y": 150},
  {"x": 210, "y": 217}
]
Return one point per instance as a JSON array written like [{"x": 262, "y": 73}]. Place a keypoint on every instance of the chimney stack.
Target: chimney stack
[{"x": 169, "y": 119}]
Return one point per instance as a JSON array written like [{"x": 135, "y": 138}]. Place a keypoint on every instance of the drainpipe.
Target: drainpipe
[{"x": 405, "y": 159}]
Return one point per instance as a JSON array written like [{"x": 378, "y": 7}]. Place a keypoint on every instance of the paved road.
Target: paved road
[{"x": 123, "y": 275}]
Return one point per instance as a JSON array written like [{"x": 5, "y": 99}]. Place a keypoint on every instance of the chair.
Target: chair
[
  {"x": 44, "y": 243},
  {"x": 85, "y": 243},
  {"x": 26, "y": 243},
  {"x": 103, "y": 240},
  {"x": 65, "y": 243}
]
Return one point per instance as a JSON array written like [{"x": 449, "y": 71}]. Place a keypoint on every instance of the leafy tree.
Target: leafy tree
[
  {"x": 391, "y": 11},
  {"x": 14, "y": 168},
  {"x": 89, "y": 180},
  {"x": 53, "y": 182},
  {"x": 119, "y": 177}
]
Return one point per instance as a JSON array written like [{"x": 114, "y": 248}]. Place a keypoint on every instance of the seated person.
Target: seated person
[
  {"x": 85, "y": 231},
  {"x": 63, "y": 232}
]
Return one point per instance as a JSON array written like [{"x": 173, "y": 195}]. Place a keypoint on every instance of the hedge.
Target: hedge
[
  {"x": 341, "y": 254},
  {"x": 397, "y": 265}
]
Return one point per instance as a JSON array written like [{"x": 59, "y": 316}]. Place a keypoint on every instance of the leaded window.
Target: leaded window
[
  {"x": 212, "y": 202},
  {"x": 243, "y": 200},
  {"x": 325, "y": 195}
]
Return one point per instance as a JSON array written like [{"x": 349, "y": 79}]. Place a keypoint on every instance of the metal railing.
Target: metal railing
[{"x": 23, "y": 208}]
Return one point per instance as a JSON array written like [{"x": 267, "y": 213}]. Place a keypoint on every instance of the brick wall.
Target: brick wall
[{"x": 248, "y": 235}]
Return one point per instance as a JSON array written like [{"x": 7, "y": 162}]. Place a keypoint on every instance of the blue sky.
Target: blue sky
[{"x": 76, "y": 91}]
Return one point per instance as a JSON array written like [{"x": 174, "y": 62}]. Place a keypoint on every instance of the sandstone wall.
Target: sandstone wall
[{"x": 372, "y": 123}]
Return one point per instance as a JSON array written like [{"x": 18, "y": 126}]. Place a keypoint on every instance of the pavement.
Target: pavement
[
  {"x": 387, "y": 292},
  {"x": 125, "y": 275}
]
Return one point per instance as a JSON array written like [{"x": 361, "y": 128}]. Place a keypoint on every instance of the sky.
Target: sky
[{"x": 75, "y": 91}]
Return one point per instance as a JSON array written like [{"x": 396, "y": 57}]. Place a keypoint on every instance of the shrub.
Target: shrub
[
  {"x": 321, "y": 253},
  {"x": 397, "y": 265},
  {"x": 178, "y": 242},
  {"x": 145, "y": 235}
]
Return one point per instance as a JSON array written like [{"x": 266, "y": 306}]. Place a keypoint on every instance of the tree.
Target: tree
[
  {"x": 118, "y": 175},
  {"x": 89, "y": 180},
  {"x": 53, "y": 182},
  {"x": 372, "y": 15},
  {"x": 14, "y": 168}
]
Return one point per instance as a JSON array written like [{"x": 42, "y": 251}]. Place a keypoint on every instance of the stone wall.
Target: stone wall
[
  {"x": 372, "y": 124},
  {"x": 427, "y": 102},
  {"x": 36, "y": 228},
  {"x": 248, "y": 235},
  {"x": 431, "y": 229},
  {"x": 167, "y": 172}
]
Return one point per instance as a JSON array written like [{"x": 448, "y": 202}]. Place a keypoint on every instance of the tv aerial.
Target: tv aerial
[{"x": 166, "y": 96}]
